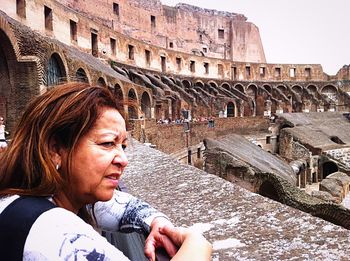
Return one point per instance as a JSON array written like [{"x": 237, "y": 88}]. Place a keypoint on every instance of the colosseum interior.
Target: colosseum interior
[{"x": 247, "y": 149}]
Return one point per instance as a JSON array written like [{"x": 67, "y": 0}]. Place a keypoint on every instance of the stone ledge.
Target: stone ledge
[{"x": 240, "y": 224}]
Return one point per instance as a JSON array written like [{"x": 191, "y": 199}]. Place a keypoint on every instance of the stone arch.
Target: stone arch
[
  {"x": 226, "y": 86},
  {"x": 186, "y": 84},
  {"x": 283, "y": 89},
  {"x": 230, "y": 109},
  {"x": 199, "y": 84},
  {"x": 252, "y": 91},
  {"x": 298, "y": 89},
  {"x": 328, "y": 168},
  {"x": 118, "y": 92},
  {"x": 132, "y": 107},
  {"x": 212, "y": 87},
  {"x": 11, "y": 39},
  {"x": 172, "y": 79},
  {"x": 157, "y": 76},
  {"x": 268, "y": 189},
  {"x": 213, "y": 84},
  {"x": 16, "y": 71},
  {"x": 268, "y": 88},
  {"x": 101, "y": 82},
  {"x": 81, "y": 76},
  {"x": 146, "y": 105},
  {"x": 239, "y": 87},
  {"x": 331, "y": 92},
  {"x": 56, "y": 72},
  {"x": 7, "y": 56},
  {"x": 312, "y": 88}
]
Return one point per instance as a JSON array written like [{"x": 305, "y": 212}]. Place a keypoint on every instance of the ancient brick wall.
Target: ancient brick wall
[
  {"x": 127, "y": 30},
  {"x": 182, "y": 28},
  {"x": 290, "y": 149},
  {"x": 171, "y": 138}
]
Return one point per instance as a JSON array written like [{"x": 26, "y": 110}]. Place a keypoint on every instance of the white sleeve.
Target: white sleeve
[
  {"x": 125, "y": 213},
  {"x": 59, "y": 234}
]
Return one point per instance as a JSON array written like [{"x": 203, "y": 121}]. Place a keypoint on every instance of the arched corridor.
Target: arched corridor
[{"x": 267, "y": 189}]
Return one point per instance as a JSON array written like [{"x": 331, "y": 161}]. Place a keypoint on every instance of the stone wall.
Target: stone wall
[
  {"x": 171, "y": 138},
  {"x": 182, "y": 28},
  {"x": 130, "y": 31},
  {"x": 290, "y": 149}
]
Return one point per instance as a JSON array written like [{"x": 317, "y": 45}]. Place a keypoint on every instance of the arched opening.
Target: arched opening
[
  {"x": 312, "y": 89},
  {"x": 230, "y": 109},
  {"x": 298, "y": 89},
  {"x": 6, "y": 55},
  {"x": 101, "y": 82},
  {"x": 56, "y": 73},
  {"x": 268, "y": 88},
  {"x": 282, "y": 89},
  {"x": 172, "y": 79},
  {"x": 252, "y": 91},
  {"x": 267, "y": 189},
  {"x": 213, "y": 84},
  {"x": 81, "y": 76},
  {"x": 146, "y": 105},
  {"x": 336, "y": 139},
  {"x": 118, "y": 92},
  {"x": 329, "y": 168},
  {"x": 132, "y": 107},
  {"x": 239, "y": 87},
  {"x": 226, "y": 86},
  {"x": 186, "y": 84},
  {"x": 17, "y": 79},
  {"x": 199, "y": 84},
  {"x": 331, "y": 92}
]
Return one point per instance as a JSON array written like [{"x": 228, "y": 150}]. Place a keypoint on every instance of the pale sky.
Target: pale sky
[{"x": 294, "y": 31}]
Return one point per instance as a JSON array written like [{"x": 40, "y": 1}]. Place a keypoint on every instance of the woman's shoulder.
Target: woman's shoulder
[
  {"x": 61, "y": 234},
  {"x": 5, "y": 201}
]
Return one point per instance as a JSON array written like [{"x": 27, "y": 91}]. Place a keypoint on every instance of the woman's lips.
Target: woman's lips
[{"x": 113, "y": 178}]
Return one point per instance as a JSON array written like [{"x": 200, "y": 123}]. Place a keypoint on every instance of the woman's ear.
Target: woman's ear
[{"x": 55, "y": 152}]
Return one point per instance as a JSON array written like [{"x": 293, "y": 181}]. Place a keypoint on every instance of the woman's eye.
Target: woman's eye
[{"x": 107, "y": 144}]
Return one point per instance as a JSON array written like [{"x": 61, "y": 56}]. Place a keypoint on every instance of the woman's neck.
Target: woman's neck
[{"x": 61, "y": 200}]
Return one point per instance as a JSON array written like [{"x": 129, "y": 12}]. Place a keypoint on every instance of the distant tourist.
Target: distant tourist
[
  {"x": 58, "y": 181},
  {"x": 3, "y": 142}
]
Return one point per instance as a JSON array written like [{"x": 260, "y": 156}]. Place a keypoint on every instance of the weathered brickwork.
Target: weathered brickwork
[
  {"x": 171, "y": 138},
  {"x": 204, "y": 85}
]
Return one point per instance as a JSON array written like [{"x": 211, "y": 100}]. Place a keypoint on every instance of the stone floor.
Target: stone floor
[{"x": 241, "y": 225}]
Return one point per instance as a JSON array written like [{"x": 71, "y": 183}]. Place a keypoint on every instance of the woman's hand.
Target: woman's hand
[
  {"x": 156, "y": 239},
  {"x": 193, "y": 246}
]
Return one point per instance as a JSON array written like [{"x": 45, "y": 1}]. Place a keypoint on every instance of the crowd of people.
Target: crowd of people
[{"x": 209, "y": 120}]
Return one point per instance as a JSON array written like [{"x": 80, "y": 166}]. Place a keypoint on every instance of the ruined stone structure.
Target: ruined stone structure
[{"x": 174, "y": 61}]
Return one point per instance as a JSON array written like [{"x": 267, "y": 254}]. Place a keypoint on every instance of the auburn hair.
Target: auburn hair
[{"x": 64, "y": 114}]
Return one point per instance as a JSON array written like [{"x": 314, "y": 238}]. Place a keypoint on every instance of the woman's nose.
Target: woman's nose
[{"x": 120, "y": 158}]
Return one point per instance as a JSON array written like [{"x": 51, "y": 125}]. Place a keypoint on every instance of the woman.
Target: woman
[{"x": 68, "y": 147}]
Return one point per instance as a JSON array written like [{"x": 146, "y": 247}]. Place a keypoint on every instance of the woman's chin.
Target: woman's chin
[{"x": 105, "y": 196}]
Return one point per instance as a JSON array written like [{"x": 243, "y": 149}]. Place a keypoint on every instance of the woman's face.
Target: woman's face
[{"x": 98, "y": 160}]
